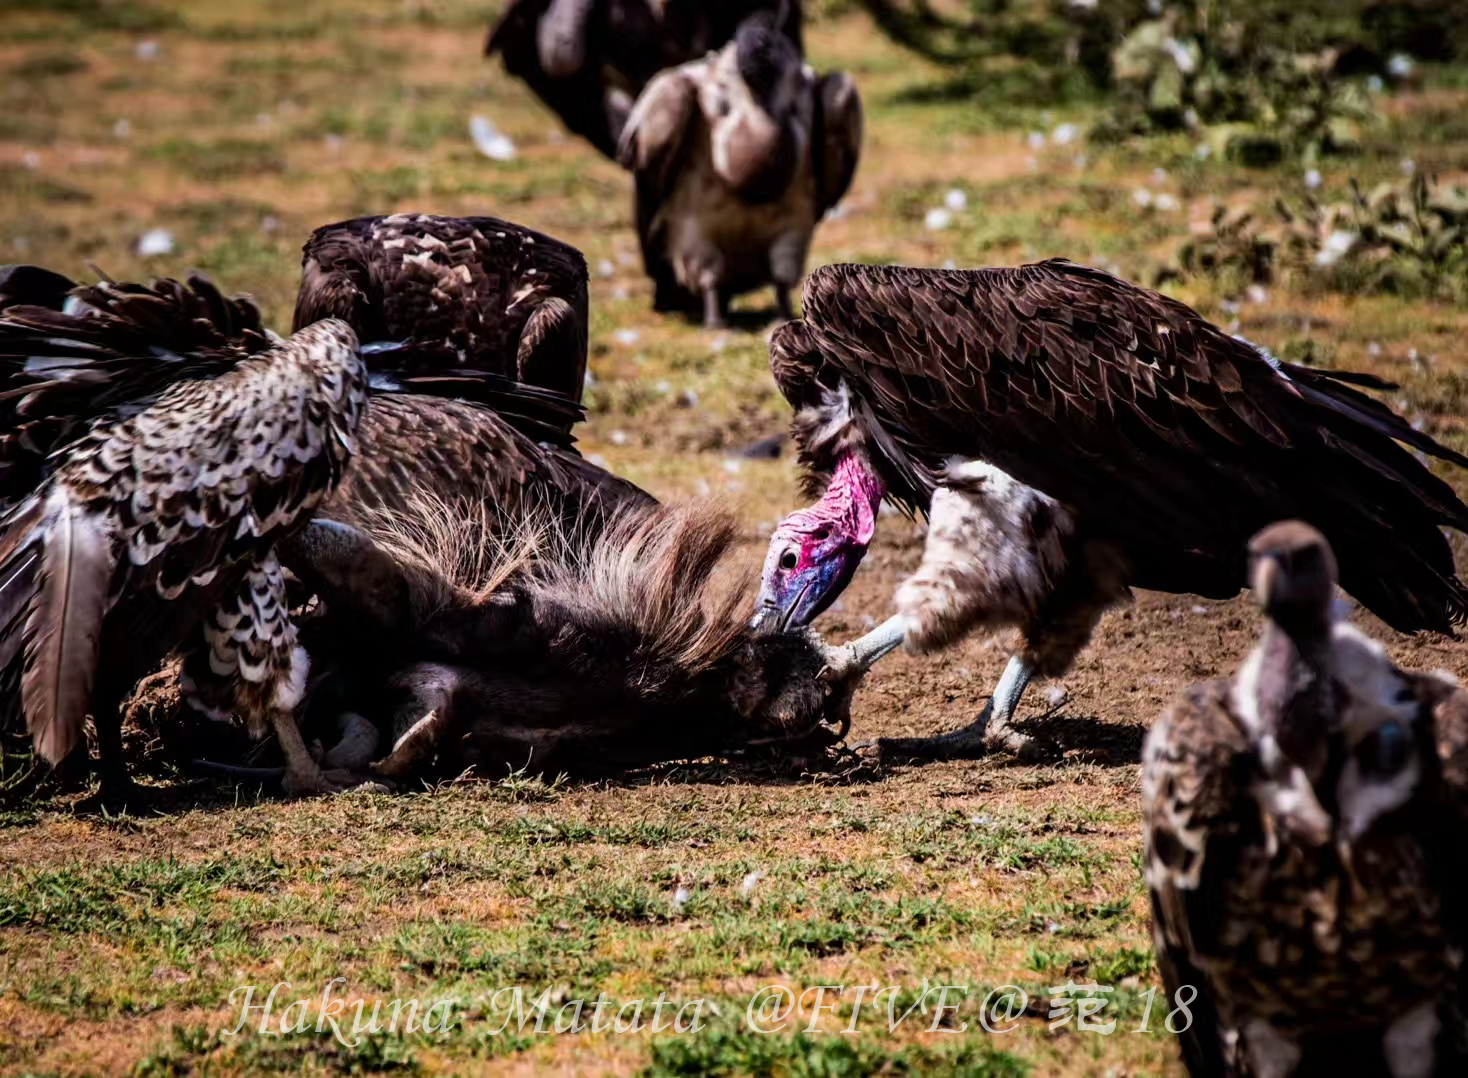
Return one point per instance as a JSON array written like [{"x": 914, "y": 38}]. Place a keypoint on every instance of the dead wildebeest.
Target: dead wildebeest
[{"x": 552, "y": 652}]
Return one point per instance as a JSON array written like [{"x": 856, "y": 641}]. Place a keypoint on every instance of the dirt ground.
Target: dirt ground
[{"x": 238, "y": 128}]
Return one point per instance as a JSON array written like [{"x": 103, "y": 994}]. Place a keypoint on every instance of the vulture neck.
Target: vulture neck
[
  {"x": 852, "y": 498},
  {"x": 1293, "y": 690}
]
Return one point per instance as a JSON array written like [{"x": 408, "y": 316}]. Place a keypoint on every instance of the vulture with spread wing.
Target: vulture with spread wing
[
  {"x": 155, "y": 448},
  {"x": 1071, "y": 436},
  {"x": 1305, "y": 847},
  {"x": 589, "y": 59},
  {"x": 737, "y": 157},
  {"x": 468, "y": 294}
]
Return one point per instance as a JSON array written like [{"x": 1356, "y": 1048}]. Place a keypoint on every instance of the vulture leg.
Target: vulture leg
[
  {"x": 250, "y": 660},
  {"x": 713, "y": 307},
  {"x": 987, "y": 733},
  {"x": 117, "y": 790},
  {"x": 782, "y": 302}
]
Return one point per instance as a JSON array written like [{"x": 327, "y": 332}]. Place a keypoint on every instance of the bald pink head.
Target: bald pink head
[{"x": 815, "y": 551}]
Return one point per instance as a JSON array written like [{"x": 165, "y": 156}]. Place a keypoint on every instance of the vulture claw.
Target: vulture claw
[{"x": 850, "y": 662}]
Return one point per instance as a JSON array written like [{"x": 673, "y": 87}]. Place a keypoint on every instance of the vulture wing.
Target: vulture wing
[
  {"x": 1196, "y": 820},
  {"x": 578, "y": 98},
  {"x": 836, "y": 143},
  {"x": 71, "y": 356},
  {"x": 1165, "y": 434},
  {"x": 201, "y": 480},
  {"x": 464, "y": 294}
]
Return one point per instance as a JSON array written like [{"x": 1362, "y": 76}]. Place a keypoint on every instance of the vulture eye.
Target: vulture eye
[
  {"x": 1385, "y": 751},
  {"x": 789, "y": 560}
]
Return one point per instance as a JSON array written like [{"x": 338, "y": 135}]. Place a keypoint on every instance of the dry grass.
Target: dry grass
[{"x": 240, "y": 127}]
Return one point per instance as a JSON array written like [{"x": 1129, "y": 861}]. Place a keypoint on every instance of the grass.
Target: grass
[{"x": 250, "y": 123}]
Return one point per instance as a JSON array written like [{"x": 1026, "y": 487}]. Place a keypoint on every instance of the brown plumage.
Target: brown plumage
[
  {"x": 1304, "y": 847},
  {"x": 589, "y": 59},
  {"x": 459, "y": 314},
  {"x": 560, "y": 653},
  {"x": 1108, "y": 421},
  {"x": 179, "y": 459},
  {"x": 737, "y": 157},
  {"x": 466, "y": 294}
]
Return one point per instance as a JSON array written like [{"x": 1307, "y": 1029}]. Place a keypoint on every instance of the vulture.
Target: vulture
[
  {"x": 1070, "y": 436},
  {"x": 589, "y": 59},
  {"x": 156, "y": 447},
  {"x": 1304, "y": 847},
  {"x": 552, "y": 652},
  {"x": 737, "y": 157},
  {"x": 471, "y": 294}
]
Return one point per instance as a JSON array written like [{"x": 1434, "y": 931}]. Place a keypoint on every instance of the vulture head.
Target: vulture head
[
  {"x": 814, "y": 552},
  {"x": 1343, "y": 735}
]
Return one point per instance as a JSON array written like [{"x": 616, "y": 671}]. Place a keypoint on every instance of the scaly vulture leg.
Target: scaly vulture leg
[
  {"x": 713, "y": 308},
  {"x": 991, "y": 731}
]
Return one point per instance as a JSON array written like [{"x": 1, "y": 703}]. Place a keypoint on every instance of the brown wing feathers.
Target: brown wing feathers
[{"x": 1165, "y": 433}]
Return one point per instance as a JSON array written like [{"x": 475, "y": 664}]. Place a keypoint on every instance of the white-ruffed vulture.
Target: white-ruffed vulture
[
  {"x": 1071, "y": 436},
  {"x": 155, "y": 448},
  {"x": 737, "y": 157},
  {"x": 1305, "y": 847},
  {"x": 588, "y": 60},
  {"x": 467, "y": 294}
]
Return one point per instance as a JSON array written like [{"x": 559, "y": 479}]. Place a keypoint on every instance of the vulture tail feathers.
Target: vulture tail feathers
[{"x": 63, "y": 632}]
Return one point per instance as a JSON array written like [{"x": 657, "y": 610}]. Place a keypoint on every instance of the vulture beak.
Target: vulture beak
[{"x": 802, "y": 577}]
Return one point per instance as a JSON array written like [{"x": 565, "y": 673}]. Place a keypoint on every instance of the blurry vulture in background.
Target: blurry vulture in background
[
  {"x": 1305, "y": 847},
  {"x": 1071, "y": 436},
  {"x": 737, "y": 157},
  {"x": 155, "y": 448},
  {"x": 590, "y": 59}
]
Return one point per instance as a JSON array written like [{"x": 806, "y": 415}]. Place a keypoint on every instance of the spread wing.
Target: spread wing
[
  {"x": 71, "y": 356},
  {"x": 837, "y": 138},
  {"x": 1195, "y": 820},
  {"x": 474, "y": 293},
  {"x": 1165, "y": 434},
  {"x": 202, "y": 480}
]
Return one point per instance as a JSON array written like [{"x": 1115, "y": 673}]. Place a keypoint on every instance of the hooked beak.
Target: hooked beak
[{"x": 790, "y": 599}]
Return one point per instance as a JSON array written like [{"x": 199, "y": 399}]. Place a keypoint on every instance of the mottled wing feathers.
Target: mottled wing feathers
[
  {"x": 836, "y": 141},
  {"x": 71, "y": 357},
  {"x": 199, "y": 483},
  {"x": 1164, "y": 433},
  {"x": 1194, "y": 819},
  {"x": 656, "y": 136},
  {"x": 456, "y": 296}
]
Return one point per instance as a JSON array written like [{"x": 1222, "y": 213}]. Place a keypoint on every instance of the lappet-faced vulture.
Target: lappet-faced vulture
[
  {"x": 589, "y": 59},
  {"x": 737, "y": 157},
  {"x": 1071, "y": 436},
  {"x": 1305, "y": 846},
  {"x": 155, "y": 449}
]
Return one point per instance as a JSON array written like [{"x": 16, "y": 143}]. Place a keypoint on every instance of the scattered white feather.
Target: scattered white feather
[
  {"x": 627, "y": 336},
  {"x": 1256, "y": 293},
  {"x": 490, "y": 140},
  {"x": 1373, "y": 349},
  {"x": 154, "y": 242},
  {"x": 1159, "y": 175},
  {"x": 681, "y": 896},
  {"x": 937, "y": 219},
  {"x": 1065, "y": 134},
  {"x": 1165, "y": 202},
  {"x": 1202, "y": 151},
  {"x": 1312, "y": 178},
  {"x": 1056, "y": 695},
  {"x": 31, "y": 160},
  {"x": 1337, "y": 245},
  {"x": 1408, "y": 166},
  {"x": 122, "y": 128},
  {"x": 1142, "y": 197},
  {"x": 1036, "y": 140},
  {"x": 956, "y": 200},
  {"x": 751, "y": 881},
  {"x": 1400, "y": 66},
  {"x": 618, "y": 437},
  {"x": 604, "y": 268},
  {"x": 147, "y": 49},
  {"x": 1374, "y": 85}
]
